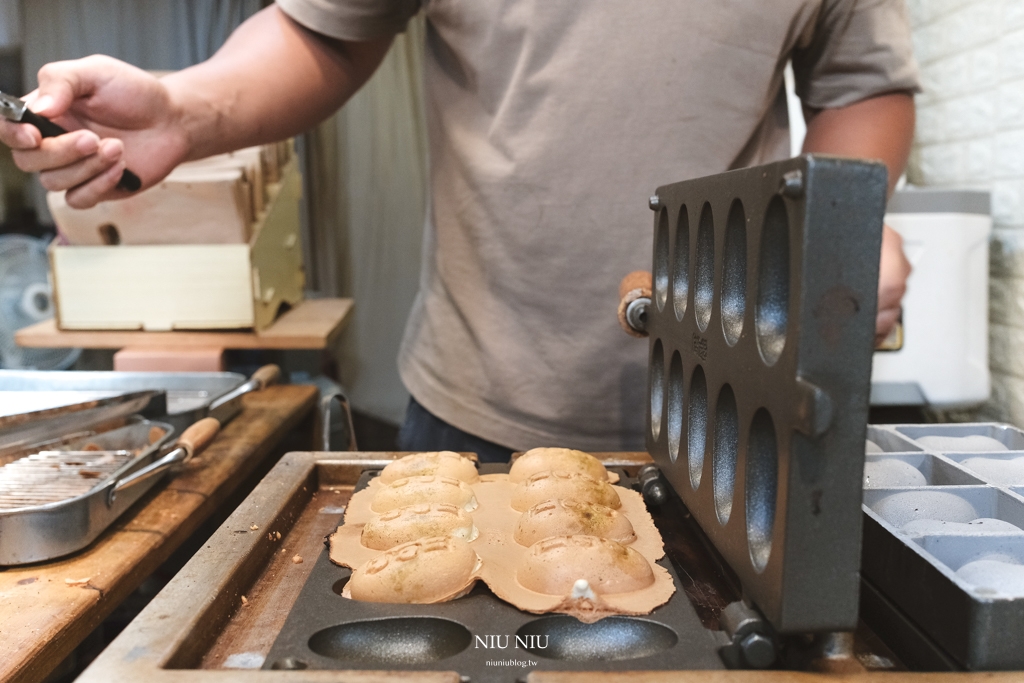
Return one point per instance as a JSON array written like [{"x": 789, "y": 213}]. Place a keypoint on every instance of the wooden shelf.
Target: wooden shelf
[{"x": 312, "y": 324}]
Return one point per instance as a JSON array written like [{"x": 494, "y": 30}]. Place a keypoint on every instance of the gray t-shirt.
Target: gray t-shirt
[{"x": 550, "y": 125}]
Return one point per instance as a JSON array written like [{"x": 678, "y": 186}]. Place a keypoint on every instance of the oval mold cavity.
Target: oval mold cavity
[
  {"x": 734, "y": 274},
  {"x": 675, "y": 405},
  {"x": 681, "y": 264},
  {"x": 661, "y": 258},
  {"x": 396, "y": 640},
  {"x": 772, "y": 311},
  {"x": 657, "y": 387},
  {"x": 761, "y": 486},
  {"x": 697, "y": 425},
  {"x": 610, "y": 639},
  {"x": 723, "y": 463},
  {"x": 704, "y": 292}
]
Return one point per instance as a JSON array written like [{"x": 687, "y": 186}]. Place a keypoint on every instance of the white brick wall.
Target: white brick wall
[{"x": 970, "y": 133}]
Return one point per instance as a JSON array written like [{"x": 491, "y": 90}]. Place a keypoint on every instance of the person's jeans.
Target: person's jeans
[{"x": 424, "y": 431}]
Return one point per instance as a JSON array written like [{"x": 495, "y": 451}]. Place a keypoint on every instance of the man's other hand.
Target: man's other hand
[
  {"x": 117, "y": 116},
  {"x": 892, "y": 282}
]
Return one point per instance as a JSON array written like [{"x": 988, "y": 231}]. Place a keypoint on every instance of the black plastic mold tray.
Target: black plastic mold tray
[
  {"x": 923, "y": 538},
  {"x": 761, "y": 333},
  {"x": 476, "y": 635}
]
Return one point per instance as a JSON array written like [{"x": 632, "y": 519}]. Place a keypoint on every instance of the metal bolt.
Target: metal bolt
[
  {"x": 654, "y": 202},
  {"x": 758, "y": 651},
  {"x": 651, "y": 486},
  {"x": 636, "y": 314},
  {"x": 792, "y": 184}
]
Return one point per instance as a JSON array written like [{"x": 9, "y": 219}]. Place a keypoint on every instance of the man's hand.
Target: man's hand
[
  {"x": 272, "y": 79},
  {"x": 892, "y": 282},
  {"x": 882, "y": 128},
  {"x": 118, "y": 117}
]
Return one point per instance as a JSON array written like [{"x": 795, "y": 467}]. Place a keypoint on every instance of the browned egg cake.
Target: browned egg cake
[
  {"x": 570, "y": 517},
  {"x": 425, "y": 489},
  {"x": 553, "y": 535},
  {"x": 443, "y": 463}
]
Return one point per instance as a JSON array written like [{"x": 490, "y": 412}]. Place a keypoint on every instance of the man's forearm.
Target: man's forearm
[
  {"x": 271, "y": 79},
  {"x": 877, "y": 128}
]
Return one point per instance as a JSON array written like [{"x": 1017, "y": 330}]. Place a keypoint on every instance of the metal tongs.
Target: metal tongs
[{"x": 16, "y": 110}]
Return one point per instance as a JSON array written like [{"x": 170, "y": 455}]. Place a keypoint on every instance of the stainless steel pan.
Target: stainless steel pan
[
  {"x": 185, "y": 391},
  {"x": 52, "y": 415},
  {"x": 36, "y": 532},
  {"x": 189, "y": 394}
]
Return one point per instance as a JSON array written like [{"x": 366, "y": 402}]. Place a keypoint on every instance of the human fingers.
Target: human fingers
[
  {"x": 101, "y": 93},
  {"x": 56, "y": 152},
  {"x": 82, "y": 171},
  {"x": 893, "y": 271},
  {"x": 96, "y": 190},
  {"x": 60, "y": 83},
  {"x": 18, "y": 135},
  {"x": 885, "y": 321}
]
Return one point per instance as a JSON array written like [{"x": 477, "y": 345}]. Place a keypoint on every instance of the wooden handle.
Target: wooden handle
[
  {"x": 199, "y": 435},
  {"x": 267, "y": 375},
  {"x": 634, "y": 286},
  {"x": 638, "y": 279}
]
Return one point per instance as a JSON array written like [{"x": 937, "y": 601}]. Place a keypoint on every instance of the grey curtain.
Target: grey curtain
[{"x": 165, "y": 35}]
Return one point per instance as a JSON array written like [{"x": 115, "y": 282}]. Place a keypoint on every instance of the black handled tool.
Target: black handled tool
[{"x": 16, "y": 110}]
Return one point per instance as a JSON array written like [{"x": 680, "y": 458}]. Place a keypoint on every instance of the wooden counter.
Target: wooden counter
[{"x": 48, "y": 608}]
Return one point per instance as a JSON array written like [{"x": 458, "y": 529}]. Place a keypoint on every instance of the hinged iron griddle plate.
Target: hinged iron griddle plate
[
  {"x": 481, "y": 637},
  {"x": 761, "y": 333}
]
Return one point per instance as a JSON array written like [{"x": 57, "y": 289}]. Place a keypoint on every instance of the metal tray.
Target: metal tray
[
  {"x": 56, "y": 414},
  {"x": 479, "y": 636},
  {"x": 185, "y": 391},
  {"x": 44, "y": 532},
  {"x": 976, "y": 626}
]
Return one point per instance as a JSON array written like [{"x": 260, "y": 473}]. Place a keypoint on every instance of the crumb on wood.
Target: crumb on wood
[
  {"x": 254, "y": 527},
  {"x": 245, "y": 600},
  {"x": 81, "y": 583},
  {"x": 297, "y": 559},
  {"x": 277, "y": 535}
]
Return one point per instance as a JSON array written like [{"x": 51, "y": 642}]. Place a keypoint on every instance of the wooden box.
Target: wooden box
[{"x": 160, "y": 287}]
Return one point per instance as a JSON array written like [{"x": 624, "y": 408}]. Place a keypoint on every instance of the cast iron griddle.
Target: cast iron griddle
[
  {"x": 480, "y": 636},
  {"x": 761, "y": 333}
]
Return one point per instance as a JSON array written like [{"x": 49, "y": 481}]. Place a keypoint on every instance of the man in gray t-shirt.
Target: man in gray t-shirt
[{"x": 549, "y": 125}]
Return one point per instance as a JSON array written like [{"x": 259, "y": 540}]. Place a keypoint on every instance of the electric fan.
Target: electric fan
[{"x": 26, "y": 298}]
